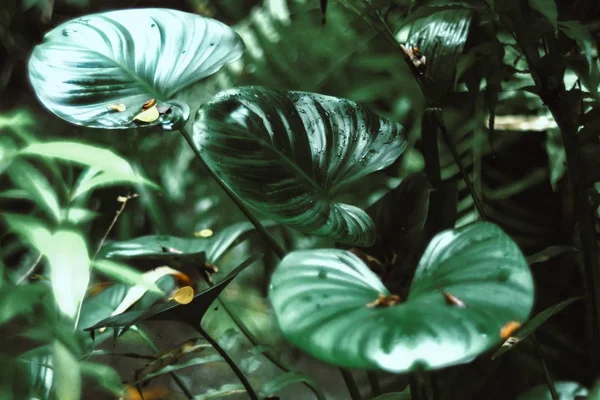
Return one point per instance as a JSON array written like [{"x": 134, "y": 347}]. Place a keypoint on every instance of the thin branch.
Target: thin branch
[
  {"x": 31, "y": 269},
  {"x": 123, "y": 200},
  {"x": 238, "y": 202},
  {"x": 374, "y": 382}
]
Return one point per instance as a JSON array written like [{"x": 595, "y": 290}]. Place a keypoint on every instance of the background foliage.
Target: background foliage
[{"x": 500, "y": 111}]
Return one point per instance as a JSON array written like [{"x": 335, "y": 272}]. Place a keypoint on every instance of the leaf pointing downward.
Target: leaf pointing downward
[{"x": 288, "y": 153}]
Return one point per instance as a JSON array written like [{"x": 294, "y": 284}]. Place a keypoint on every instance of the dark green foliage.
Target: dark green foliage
[{"x": 498, "y": 101}]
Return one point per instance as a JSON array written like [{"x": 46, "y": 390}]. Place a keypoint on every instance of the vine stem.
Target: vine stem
[
  {"x": 236, "y": 370},
  {"x": 352, "y": 388},
  {"x": 549, "y": 379},
  {"x": 238, "y": 202}
]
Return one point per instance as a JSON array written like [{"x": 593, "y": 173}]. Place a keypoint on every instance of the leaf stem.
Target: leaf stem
[
  {"x": 236, "y": 370},
  {"x": 238, "y": 202},
  {"x": 375, "y": 388},
  {"x": 549, "y": 379},
  {"x": 352, "y": 388},
  {"x": 461, "y": 168}
]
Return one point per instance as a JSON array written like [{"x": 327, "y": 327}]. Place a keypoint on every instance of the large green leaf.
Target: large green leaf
[
  {"x": 126, "y": 57},
  {"x": 320, "y": 298},
  {"x": 440, "y": 38},
  {"x": 288, "y": 153}
]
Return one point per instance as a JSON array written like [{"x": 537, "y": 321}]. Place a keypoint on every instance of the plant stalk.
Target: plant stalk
[
  {"x": 238, "y": 202},
  {"x": 375, "y": 388},
  {"x": 549, "y": 379},
  {"x": 236, "y": 370},
  {"x": 352, "y": 388}
]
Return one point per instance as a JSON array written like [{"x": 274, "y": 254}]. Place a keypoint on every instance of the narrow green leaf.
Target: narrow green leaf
[
  {"x": 531, "y": 326},
  {"x": 326, "y": 302},
  {"x": 282, "y": 381},
  {"x": 287, "y": 154},
  {"x": 112, "y": 169},
  {"x": 123, "y": 273},
  {"x": 69, "y": 270},
  {"x": 153, "y": 247},
  {"x": 19, "y": 300},
  {"x": 89, "y": 64},
  {"x": 229, "y": 389},
  {"x": 67, "y": 375},
  {"x": 32, "y": 181},
  {"x": 548, "y": 9},
  {"x": 548, "y": 253},
  {"x": 176, "y": 367},
  {"x": 565, "y": 390},
  {"x": 31, "y": 229},
  {"x": 394, "y": 396}
]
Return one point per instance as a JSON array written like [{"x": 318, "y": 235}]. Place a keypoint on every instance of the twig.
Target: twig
[
  {"x": 123, "y": 200},
  {"x": 549, "y": 379},
  {"x": 31, "y": 269},
  {"x": 352, "y": 388},
  {"x": 238, "y": 202}
]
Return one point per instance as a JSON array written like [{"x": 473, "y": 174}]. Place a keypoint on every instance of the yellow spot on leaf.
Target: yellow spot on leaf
[
  {"x": 117, "y": 107},
  {"x": 204, "y": 233},
  {"x": 184, "y": 295},
  {"x": 149, "y": 104},
  {"x": 149, "y": 115}
]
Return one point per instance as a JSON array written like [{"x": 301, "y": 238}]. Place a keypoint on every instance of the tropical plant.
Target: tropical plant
[{"x": 385, "y": 235}]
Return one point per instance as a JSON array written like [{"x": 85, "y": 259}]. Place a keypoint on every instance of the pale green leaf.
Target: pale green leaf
[
  {"x": 104, "y": 375},
  {"x": 324, "y": 302},
  {"x": 67, "y": 375},
  {"x": 125, "y": 274},
  {"x": 127, "y": 57},
  {"x": 69, "y": 270},
  {"x": 33, "y": 182}
]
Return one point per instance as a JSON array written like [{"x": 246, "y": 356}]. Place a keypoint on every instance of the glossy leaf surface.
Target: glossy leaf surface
[
  {"x": 87, "y": 67},
  {"x": 287, "y": 153},
  {"x": 323, "y": 300}
]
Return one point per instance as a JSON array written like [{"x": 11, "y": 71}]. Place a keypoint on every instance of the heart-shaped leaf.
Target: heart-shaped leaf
[
  {"x": 287, "y": 154},
  {"x": 470, "y": 282},
  {"x": 101, "y": 69}
]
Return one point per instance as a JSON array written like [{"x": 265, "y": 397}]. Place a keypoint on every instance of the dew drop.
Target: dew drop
[
  {"x": 322, "y": 274},
  {"x": 153, "y": 25},
  {"x": 503, "y": 276}
]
